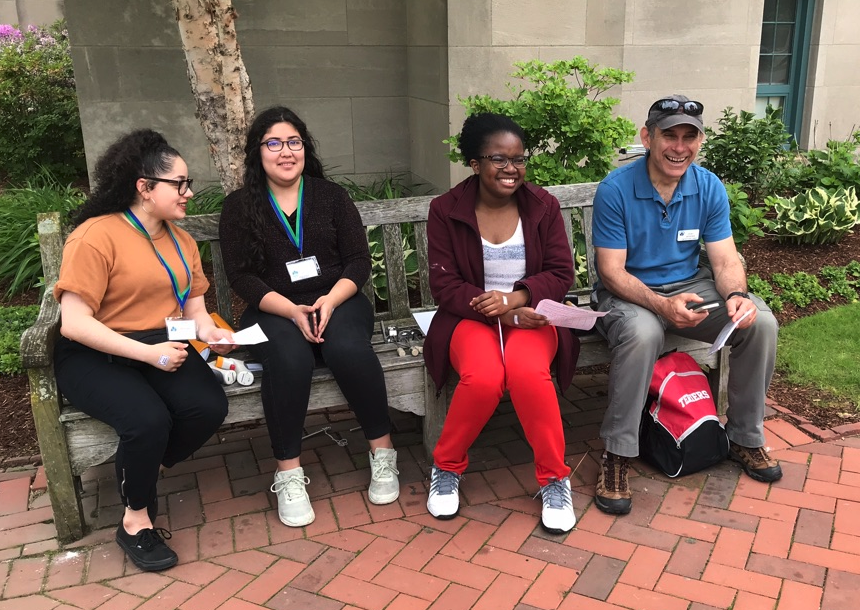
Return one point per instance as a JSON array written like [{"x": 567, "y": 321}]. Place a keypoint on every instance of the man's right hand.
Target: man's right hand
[{"x": 674, "y": 310}]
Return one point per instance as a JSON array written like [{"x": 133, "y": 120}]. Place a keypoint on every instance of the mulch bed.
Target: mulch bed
[{"x": 18, "y": 444}]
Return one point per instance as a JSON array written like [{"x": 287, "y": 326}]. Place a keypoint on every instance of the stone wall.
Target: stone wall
[{"x": 30, "y": 12}]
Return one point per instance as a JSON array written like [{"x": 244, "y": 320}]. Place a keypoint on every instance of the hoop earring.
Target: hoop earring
[{"x": 143, "y": 207}]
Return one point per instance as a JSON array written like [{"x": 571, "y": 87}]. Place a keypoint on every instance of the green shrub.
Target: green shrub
[
  {"x": 753, "y": 152},
  {"x": 763, "y": 289},
  {"x": 817, "y": 216},
  {"x": 837, "y": 166},
  {"x": 39, "y": 122},
  {"x": 747, "y": 220},
  {"x": 13, "y": 322},
  {"x": 839, "y": 283},
  {"x": 801, "y": 289},
  {"x": 392, "y": 186},
  {"x": 20, "y": 262},
  {"x": 571, "y": 134}
]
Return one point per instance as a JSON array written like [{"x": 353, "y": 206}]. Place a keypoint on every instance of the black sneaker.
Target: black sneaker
[{"x": 147, "y": 549}]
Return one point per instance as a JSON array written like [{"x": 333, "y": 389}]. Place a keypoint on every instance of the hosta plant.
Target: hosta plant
[{"x": 817, "y": 216}]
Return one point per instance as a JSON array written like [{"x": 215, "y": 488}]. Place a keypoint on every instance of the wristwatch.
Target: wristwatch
[{"x": 738, "y": 293}]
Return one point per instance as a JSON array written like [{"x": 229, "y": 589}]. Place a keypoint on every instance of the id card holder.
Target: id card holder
[
  {"x": 181, "y": 329},
  {"x": 303, "y": 268}
]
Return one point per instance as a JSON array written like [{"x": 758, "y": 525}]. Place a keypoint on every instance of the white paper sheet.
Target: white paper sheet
[
  {"x": 423, "y": 319},
  {"x": 724, "y": 335},
  {"x": 249, "y": 336},
  {"x": 559, "y": 314}
]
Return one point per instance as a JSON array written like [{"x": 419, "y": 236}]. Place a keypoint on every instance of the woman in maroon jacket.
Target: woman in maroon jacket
[{"x": 497, "y": 247}]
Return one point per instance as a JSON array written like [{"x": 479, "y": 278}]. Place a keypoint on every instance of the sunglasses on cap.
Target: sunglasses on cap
[{"x": 669, "y": 105}]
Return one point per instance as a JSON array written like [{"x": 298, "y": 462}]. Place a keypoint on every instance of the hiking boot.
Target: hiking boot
[
  {"x": 147, "y": 549},
  {"x": 294, "y": 505},
  {"x": 557, "y": 515},
  {"x": 613, "y": 494},
  {"x": 756, "y": 462},
  {"x": 444, "y": 499},
  {"x": 384, "y": 484}
]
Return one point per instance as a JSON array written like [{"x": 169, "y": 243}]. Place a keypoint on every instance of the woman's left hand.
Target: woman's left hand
[
  {"x": 492, "y": 304},
  {"x": 323, "y": 308},
  {"x": 524, "y": 317},
  {"x": 216, "y": 335}
]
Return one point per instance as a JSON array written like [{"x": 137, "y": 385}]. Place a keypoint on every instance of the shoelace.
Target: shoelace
[
  {"x": 148, "y": 539},
  {"x": 444, "y": 482},
  {"x": 383, "y": 467},
  {"x": 555, "y": 494},
  {"x": 609, "y": 470},
  {"x": 295, "y": 485}
]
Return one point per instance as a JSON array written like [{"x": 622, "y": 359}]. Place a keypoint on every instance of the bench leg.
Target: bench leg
[
  {"x": 62, "y": 487},
  {"x": 435, "y": 410}
]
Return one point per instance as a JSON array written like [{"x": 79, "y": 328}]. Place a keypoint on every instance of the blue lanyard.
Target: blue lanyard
[
  {"x": 297, "y": 236},
  {"x": 181, "y": 295}
]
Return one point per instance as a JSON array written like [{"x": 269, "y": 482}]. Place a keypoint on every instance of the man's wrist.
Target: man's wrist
[{"x": 738, "y": 293}]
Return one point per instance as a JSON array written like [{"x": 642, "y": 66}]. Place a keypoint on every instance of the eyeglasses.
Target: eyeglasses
[
  {"x": 275, "y": 145},
  {"x": 501, "y": 162},
  {"x": 669, "y": 105},
  {"x": 182, "y": 186}
]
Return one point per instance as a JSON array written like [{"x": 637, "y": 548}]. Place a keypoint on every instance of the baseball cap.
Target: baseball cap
[{"x": 664, "y": 114}]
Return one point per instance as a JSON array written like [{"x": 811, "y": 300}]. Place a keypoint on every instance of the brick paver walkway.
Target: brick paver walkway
[{"x": 712, "y": 540}]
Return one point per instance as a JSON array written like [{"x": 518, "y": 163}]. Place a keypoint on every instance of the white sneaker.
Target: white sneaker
[
  {"x": 294, "y": 505},
  {"x": 557, "y": 516},
  {"x": 444, "y": 499},
  {"x": 384, "y": 484}
]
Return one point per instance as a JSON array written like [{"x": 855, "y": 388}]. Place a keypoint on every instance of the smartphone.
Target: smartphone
[{"x": 706, "y": 306}]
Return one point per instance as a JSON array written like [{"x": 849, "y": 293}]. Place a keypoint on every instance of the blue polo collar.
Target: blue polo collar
[{"x": 645, "y": 190}]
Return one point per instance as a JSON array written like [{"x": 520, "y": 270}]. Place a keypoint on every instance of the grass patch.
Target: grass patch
[{"x": 822, "y": 350}]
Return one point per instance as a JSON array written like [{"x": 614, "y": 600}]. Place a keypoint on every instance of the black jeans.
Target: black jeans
[
  {"x": 288, "y": 361},
  {"x": 160, "y": 417}
]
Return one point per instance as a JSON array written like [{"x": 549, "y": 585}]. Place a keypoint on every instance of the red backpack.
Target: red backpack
[{"x": 680, "y": 432}]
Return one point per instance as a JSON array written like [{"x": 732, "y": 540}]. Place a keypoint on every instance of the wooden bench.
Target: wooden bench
[{"x": 71, "y": 442}]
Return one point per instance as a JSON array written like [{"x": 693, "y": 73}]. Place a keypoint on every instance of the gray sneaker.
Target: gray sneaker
[
  {"x": 384, "y": 484},
  {"x": 294, "y": 505}
]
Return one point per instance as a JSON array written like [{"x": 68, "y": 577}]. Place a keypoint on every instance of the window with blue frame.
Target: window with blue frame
[{"x": 783, "y": 59}]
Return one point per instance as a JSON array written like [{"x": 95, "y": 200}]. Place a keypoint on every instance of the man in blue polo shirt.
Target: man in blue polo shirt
[{"x": 649, "y": 219}]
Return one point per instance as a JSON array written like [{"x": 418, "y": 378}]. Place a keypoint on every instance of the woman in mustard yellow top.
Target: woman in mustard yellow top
[{"x": 131, "y": 293}]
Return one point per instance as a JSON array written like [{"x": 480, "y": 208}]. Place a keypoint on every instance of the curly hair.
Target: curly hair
[
  {"x": 255, "y": 198},
  {"x": 140, "y": 153},
  {"x": 478, "y": 128}
]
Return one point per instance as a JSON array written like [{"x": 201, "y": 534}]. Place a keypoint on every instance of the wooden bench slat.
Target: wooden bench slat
[{"x": 395, "y": 270}]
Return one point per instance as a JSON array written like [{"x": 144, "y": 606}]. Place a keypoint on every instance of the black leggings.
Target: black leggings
[
  {"x": 160, "y": 417},
  {"x": 288, "y": 361}
]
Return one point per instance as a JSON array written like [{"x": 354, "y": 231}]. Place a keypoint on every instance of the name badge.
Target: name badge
[
  {"x": 688, "y": 235},
  {"x": 181, "y": 329},
  {"x": 303, "y": 268}
]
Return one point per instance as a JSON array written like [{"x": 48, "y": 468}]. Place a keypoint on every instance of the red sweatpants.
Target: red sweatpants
[{"x": 476, "y": 356}]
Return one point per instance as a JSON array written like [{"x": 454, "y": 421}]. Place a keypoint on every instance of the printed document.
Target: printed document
[
  {"x": 728, "y": 329},
  {"x": 249, "y": 336},
  {"x": 568, "y": 316}
]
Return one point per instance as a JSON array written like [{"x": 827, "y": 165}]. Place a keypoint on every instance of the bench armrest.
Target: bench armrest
[{"x": 37, "y": 342}]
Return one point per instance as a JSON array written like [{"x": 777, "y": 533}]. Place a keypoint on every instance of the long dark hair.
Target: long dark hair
[
  {"x": 140, "y": 153},
  {"x": 479, "y": 128},
  {"x": 255, "y": 198}
]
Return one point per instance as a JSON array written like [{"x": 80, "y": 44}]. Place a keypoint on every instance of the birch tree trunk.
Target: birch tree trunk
[{"x": 221, "y": 87}]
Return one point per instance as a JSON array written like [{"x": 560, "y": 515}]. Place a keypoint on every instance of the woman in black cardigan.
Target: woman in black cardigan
[{"x": 294, "y": 248}]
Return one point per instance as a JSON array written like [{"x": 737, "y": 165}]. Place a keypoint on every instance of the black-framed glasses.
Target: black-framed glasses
[
  {"x": 182, "y": 186},
  {"x": 276, "y": 145},
  {"x": 501, "y": 161},
  {"x": 669, "y": 105}
]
